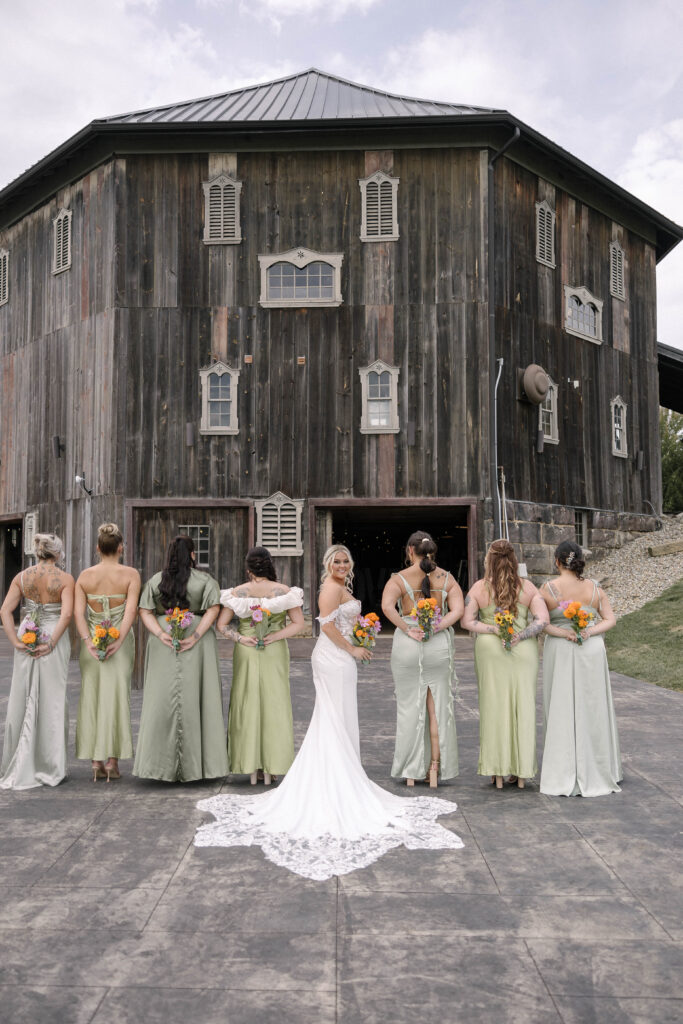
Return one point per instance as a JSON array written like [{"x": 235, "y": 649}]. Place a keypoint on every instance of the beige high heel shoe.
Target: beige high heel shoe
[
  {"x": 98, "y": 771},
  {"x": 433, "y": 774}
]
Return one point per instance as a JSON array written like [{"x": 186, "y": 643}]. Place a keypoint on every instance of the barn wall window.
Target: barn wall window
[
  {"x": 222, "y": 211},
  {"x": 545, "y": 234},
  {"x": 301, "y": 277},
  {"x": 278, "y": 524},
  {"x": 581, "y": 527},
  {"x": 219, "y": 399},
  {"x": 379, "y": 208},
  {"x": 4, "y": 276},
  {"x": 616, "y": 271},
  {"x": 547, "y": 415},
  {"x": 61, "y": 242},
  {"x": 201, "y": 538},
  {"x": 618, "y": 411},
  {"x": 379, "y": 390},
  {"x": 583, "y": 314}
]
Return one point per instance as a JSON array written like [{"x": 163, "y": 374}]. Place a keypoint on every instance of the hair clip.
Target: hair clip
[{"x": 569, "y": 559}]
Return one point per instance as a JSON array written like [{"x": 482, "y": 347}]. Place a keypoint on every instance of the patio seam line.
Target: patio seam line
[
  {"x": 107, "y": 989},
  {"x": 165, "y": 889},
  {"x": 543, "y": 981},
  {"x": 481, "y": 853},
  {"x": 77, "y": 839},
  {"x": 632, "y": 894},
  {"x": 649, "y": 782}
]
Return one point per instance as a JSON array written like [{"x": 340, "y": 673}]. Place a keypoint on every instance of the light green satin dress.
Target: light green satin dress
[
  {"x": 37, "y": 723},
  {"x": 103, "y": 724},
  {"x": 181, "y": 736},
  {"x": 581, "y": 754},
  {"x": 507, "y": 700},
  {"x": 260, "y": 726},
  {"x": 416, "y": 668}
]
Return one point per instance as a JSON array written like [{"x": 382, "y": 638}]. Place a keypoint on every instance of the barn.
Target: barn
[{"x": 310, "y": 310}]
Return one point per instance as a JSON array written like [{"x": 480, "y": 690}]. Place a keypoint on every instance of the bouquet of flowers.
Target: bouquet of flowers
[
  {"x": 505, "y": 620},
  {"x": 104, "y": 635},
  {"x": 178, "y": 620},
  {"x": 31, "y": 635},
  {"x": 260, "y": 621},
  {"x": 364, "y": 631},
  {"x": 578, "y": 618},
  {"x": 427, "y": 615}
]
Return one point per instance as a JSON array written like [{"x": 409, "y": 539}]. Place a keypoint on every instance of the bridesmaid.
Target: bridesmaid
[
  {"x": 260, "y": 728},
  {"x": 506, "y": 679},
  {"x": 423, "y": 670},
  {"x": 581, "y": 754},
  {"x": 181, "y": 735},
  {"x": 37, "y": 724},
  {"x": 106, "y": 592}
]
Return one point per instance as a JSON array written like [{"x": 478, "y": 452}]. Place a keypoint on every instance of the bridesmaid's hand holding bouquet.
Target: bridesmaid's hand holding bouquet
[
  {"x": 579, "y": 619},
  {"x": 178, "y": 619},
  {"x": 105, "y": 634},
  {"x": 505, "y": 620},
  {"x": 427, "y": 615}
]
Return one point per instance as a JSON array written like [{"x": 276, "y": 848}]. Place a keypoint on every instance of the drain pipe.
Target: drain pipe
[{"x": 493, "y": 381}]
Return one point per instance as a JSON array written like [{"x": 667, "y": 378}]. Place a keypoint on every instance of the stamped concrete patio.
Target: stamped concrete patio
[{"x": 555, "y": 910}]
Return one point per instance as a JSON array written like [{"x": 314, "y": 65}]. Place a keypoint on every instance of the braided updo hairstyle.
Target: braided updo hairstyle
[
  {"x": 424, "y": 547},
  {"x": 502, "y": 572},
  {"x": 109, "y": 538},
  {"x": 259, "y": 563},
  {"x": 570, "y": 556},
  {"x": 176, "y": 572}
]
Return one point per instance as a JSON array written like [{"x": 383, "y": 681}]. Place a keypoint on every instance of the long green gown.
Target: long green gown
[
  {"x": 260, "y": 727},
  {"x": 103, "y": 724},
  {"x": 181, "y": 736},
  {"x": 507, "y": 700},
  {"x": 416, "y": 668},
  {"x": 581, "y": 752}
]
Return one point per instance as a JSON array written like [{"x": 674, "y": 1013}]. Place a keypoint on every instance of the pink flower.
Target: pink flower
[{"x": 257, "y": 615}]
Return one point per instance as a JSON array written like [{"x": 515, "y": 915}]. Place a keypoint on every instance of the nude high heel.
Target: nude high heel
[
  {"x": 267, "y": 778},
  {"x": 433, "y": 775},
  {"x": 253, "y": 778},
  {"x": 410, "y": 782},
  {"x": 520, "y": 783},
  {"x": 98, "y": 771}
]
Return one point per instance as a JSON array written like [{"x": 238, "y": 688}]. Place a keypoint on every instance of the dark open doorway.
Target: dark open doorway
[{"x": 11, "y": 555}]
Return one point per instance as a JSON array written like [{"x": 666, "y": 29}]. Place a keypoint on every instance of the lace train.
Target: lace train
[{"x": 321, "y": 857}]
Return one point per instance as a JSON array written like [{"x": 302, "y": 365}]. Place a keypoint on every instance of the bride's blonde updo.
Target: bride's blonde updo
[
  {"x": 109, "y": 538},
  {"x": 328, "y": 558},
  {"x": 47, "y": 545}
]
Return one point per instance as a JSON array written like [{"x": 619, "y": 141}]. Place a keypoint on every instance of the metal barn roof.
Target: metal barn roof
[{"x": 309, "y": 96}]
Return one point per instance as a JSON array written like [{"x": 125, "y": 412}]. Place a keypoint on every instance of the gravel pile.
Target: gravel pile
[{"x": 631, "y": 577}]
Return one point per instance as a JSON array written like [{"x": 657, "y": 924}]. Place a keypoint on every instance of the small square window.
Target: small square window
[{"x": 201, "y": 538}]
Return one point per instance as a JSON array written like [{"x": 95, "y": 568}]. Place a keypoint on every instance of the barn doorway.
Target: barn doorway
[
  {"x": 376, "y": 536},
  {"x": 11, "y": 555}
]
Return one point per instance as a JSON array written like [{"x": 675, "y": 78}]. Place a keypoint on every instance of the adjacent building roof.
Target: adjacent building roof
[
  {"x": 670, "y": 362},
  {"x": 309, "y": 96}
]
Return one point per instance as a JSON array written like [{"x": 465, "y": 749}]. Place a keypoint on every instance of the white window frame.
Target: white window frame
[
  {"x": 554, "y": 436},
  {"x": 585, "y": 297},
  {"x": 61, "y": 261},
  {"x": 581, "y": 527},
  {"x": 280, "y": 502},
  {"x": 301, "y": 257},
  {"x": 191, "y": 530},
  {"x": 619, "y": 403},
  {"x": 4, "y": 276},
  {"x": 544, "y": 211},
  {"x": 30, "y": 530},
  {"x": 219, "y": 368},
  {"x": 364, "y": 372},
  {"x": 379, "y": 178},
  {"x": 617, "y": 271},
  {"x": 224, "y": 182}
]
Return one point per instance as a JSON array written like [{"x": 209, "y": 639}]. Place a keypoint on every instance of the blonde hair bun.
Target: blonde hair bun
[{"x": 48, "y": 545}]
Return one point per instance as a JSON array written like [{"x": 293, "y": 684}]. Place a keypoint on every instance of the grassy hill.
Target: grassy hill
[{"x": 648, "y": 644}]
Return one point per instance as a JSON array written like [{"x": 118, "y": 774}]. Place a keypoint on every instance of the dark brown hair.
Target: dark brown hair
[
  {"x": 570, "y": 556},
  {"x": 502, "y": 572},
  {"x": 176, "y": 571},
  {"x": 423, "y": 545},
  {"x": 259, "y": 563}
]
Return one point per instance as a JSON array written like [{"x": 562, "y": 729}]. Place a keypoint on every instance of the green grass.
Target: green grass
[{"x": 648, "y": 644}]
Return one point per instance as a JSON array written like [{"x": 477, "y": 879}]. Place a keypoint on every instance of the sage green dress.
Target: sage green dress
[
  {"x": 103, "y": 723},
  {"x": 260, "y": 727},
  {"x": 581, "y": 755},
  {"x": 507, "y": 700},
  {"x": 418, "y": 666},
  {"x": 181, "y": 736}
]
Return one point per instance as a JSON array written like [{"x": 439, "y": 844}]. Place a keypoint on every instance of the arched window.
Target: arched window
[
  {"x": 4, "y": 276},
  {"x": 616, "y": 271},
  {"x": 545, "y": 234},
  {"x": 301, "y": 277},
  {"x": 619, "y": 439},
  {"x": 278, "y": 524},
  {"x": 219, "y": 399},
  {"x": 379, "y": 214},
  {"x": 61, "y": 242},
  {"x": 547, "y": 415},
  {"x": 583, "y": 314},
  {"x": 222, "y": 211},
  {"x": 379, "y": 395}
]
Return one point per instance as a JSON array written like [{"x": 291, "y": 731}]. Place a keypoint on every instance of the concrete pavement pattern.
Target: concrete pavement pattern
[{"x": 556, "y": 910}]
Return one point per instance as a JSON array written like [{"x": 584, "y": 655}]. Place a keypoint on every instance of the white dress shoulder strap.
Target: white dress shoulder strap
[{"x": 324, "y": 619}]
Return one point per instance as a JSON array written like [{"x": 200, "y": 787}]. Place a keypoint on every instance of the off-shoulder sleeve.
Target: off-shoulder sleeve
[
  {"x": 211, "y": 594},
  {"x": 294, "y": 598},
  {"x": 240, "y": 605},
  {"x": 149, "y": 595},
  {"x": 324, "y": 619}
]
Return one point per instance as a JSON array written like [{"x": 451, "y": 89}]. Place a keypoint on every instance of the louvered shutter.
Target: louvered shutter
[
  {"x": 386, "y": 204},
  {"x": 215, "y": 212},
  {"x": 545, "y": 234},
  {"x": 372, "y": 214},
  {"x": 616, "y": 264},
  {"x": 4, "y": 277}
]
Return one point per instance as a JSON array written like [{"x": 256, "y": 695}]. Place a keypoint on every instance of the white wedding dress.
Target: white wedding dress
[{"x": 327, "y": 817}]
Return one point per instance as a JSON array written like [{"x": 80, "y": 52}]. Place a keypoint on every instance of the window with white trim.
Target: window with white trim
[
  {"x": 379, "y": 208},
  {"x": 222, "y": 211},
  {"x": 301, "y": 277},
  {"x": 618, "y": 411},
  {"x": 547, "y": 415},
  {"x": 30, "y": 530},
  {"x": 219, "y": 399},
  {"x": 4, "y": 276},
  {"x": 581, "y": 527},
  {"x": 201, "y": 538},
  {"x": 583, "y": 314},
  {"x": 379, "y": 392},
  {"x": 61, "y": 242},
  {"x": 616, "y": 271},
  {"x": 545, "y": 233},
  {"x": 278, "y": 524}
]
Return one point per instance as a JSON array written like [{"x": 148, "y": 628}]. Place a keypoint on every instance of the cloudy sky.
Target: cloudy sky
[{"x": 601, "y": 78}]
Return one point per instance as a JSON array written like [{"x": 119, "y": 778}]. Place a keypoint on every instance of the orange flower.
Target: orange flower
[
  {"x": 114, "y": 633},
  {"x": 372, "y": 617},
  {"x": 432, "y": 601},
  {"x": 28, "y": 638},
  {"x": 510, "y": 629},
  {"x": 267, "y": 611},
  {"x": 100, "y": 632}
]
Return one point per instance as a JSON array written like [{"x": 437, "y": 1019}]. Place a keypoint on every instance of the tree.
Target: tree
[{"x": 671, "y": 434}]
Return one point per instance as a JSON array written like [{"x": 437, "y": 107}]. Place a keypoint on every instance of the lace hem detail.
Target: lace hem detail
[{"x": 322, "y": 857}]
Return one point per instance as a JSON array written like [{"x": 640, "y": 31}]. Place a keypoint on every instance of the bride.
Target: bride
[{"x": 327, "y": 817}]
